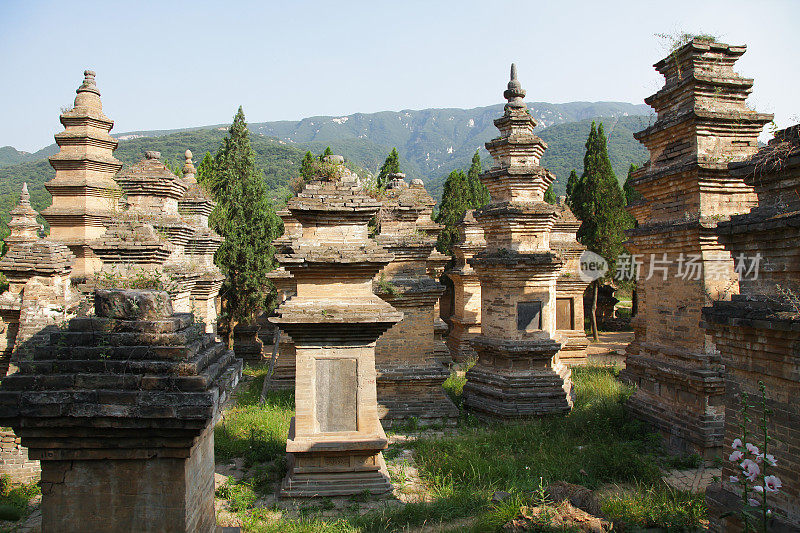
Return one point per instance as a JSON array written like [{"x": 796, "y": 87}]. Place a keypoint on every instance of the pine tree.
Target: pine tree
[
  {"x": 550, "y": 195},
  {"x": 248, "y": 223},
  {"x": 326, "y": 153},
  {"x": 390, "y": 166},
  {"x": 479, "y": 194},
  {"x": 599, "y": 203},
  {"x": 572, "y": 182}
]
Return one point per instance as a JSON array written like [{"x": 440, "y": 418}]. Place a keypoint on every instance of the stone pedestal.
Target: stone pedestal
[
  {"x": 757, "y": 333},
  {"x": 518, "y": 372},
  {"x": 118, "y": 408},
  {"x": 335, "y": 439},
  {"x": 702, "y": 125}
]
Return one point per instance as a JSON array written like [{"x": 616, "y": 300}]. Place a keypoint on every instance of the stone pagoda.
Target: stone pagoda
[
  {"x": 119, "y": 409},
  {"x": 85, "y": 195},
  {"x": 466, "y": 318},
  {"x": 519, "y": 372},
  {"x": 335, "y": 439},
  {"x": 283, "y": 369},
  {"x": 757, "y": 333},
  {"x": 23, "y": 226},
  {"x": 410, "y": 372},
  {"x": 195, "y": 207},
  {"x": 39, "y": 292},
  {"x": 570, "y": 286},
  {"x": 702, "y": 125}
]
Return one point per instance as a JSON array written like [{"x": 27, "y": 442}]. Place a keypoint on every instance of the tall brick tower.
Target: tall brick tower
[
  {"x": 519, "y": 372},
  {"x": 702, "y": 125},
  {"x": 85, "y": 195}
]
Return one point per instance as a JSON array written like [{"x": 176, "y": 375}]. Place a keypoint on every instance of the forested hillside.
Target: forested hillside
[{"x": 430, "y": 142}]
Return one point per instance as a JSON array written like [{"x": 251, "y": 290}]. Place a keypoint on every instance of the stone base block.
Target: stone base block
[
  {"x": 317, "y": 475},
  {"x": 148, "y": 495},
  {"x": 573, "y": 353},
  {"x": 684, "y": 402},
  {"x": 492, "y": 393},
  {"x": 414, "y": 394},
  {"x": 459, "y": 341}
]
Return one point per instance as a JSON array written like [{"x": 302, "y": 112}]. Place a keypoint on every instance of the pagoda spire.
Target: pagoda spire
[
  {"x": 23, "y": 225},
  {"x": 515, "y": 94},
  {"x": 189, "y": 171}
]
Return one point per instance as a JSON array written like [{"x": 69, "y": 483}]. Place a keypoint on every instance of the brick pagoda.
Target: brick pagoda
[
  {"x": 466, "y": 318},
  {"x": 335, "y": 439},
  {"x": 702, "y": 125},
  {"x": 570, "y": 287},
  {"x": 119, "y": 408},
  {"x": 519, "y": 372},
  {"x": 410, "y": 372},
  {"x": 758, "y": 331},
  {"x": 85, "y": 195}
]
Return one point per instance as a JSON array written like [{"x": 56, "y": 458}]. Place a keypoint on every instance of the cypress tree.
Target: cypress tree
[
  {"x": 248, "y": 223},
  {"x": 550, "y": 195},
  {"x": 599, "y": 203},
  {"x": 572, "y": 182},
  {"x": 205, "y": 170},
  {"x": 390, "y": 166},
  {"x": 327, "y": 152},
  {"x": 479, "y": 194},
  {"x": 455, "y": 202},
  {"x": 307, "y": 166},
  {"x": 631, "y": 194}
]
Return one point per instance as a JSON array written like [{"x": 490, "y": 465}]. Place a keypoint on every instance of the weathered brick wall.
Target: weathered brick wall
[{"x": 14, "y": 461}]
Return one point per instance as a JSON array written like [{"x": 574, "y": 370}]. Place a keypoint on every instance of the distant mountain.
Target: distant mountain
[
  {"x": 11, "y": 156},
  {"x": 431, "y": 143}
]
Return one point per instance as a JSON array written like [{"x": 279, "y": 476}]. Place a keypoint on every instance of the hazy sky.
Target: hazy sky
[{"x": 165, "y": 64}]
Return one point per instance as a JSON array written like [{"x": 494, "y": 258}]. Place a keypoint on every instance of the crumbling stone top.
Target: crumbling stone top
[
  {"x": 299, "y": 251},
  {"x": 195, "y": 194},
  {"x": 774, "y": 171},
  {"x": 37, "y": 258},
  {"x": 115, "y": 386},
  {"x": 151, "y": 177}
]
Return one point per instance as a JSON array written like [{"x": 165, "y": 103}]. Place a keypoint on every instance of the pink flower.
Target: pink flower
[
  {"x": 773, "y": 483},
  {"x": 737, "y": 443},
  {"x": 736, "y": 456},
  {"x": 750, "y": 469},
  {"x": 758, "y": 488},
  {"x": 753, "y": 502},
  {"x": 752, "y": 448},
  {"x": 734, "y": 479},
  {"x": 771, "y": 460}
]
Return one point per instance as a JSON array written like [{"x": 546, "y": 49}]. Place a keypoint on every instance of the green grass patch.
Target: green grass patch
[
  {"x": 253, "y": 431},
  {"x": 656, "y": 506},
  {"x": 595, "y": 445},
  {"x": 14, "y": 500}
]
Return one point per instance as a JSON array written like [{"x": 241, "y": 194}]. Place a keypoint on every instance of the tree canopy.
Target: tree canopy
[
  {"x": 390, "y": 166},
  {"x": 246, "y": 219},
  {"x": 461, "y": 193}
]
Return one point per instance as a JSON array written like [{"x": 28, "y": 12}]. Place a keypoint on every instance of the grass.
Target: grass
[
  {"x": 255, "y": 432},
  {"x": 14, "y": 500},
  {"x": 597, "y": 445}
]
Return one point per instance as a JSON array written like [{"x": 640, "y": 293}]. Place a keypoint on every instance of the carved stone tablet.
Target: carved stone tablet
[
  {"x": 529, "y": 315},
  {"x": 336, "y": 394}
]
